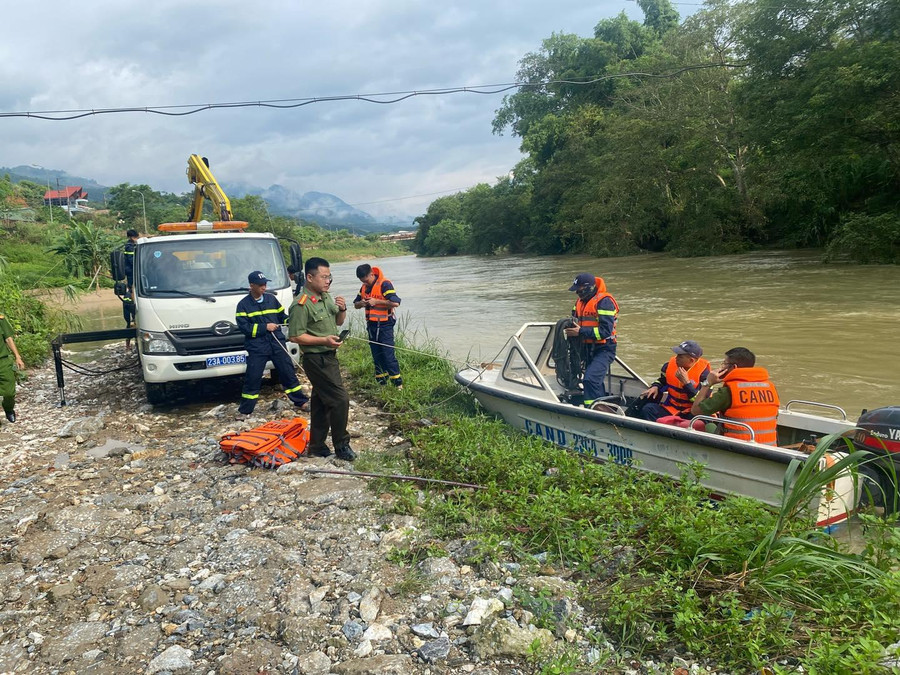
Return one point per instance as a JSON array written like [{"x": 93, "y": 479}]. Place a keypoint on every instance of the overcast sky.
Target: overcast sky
[{"x": 116, "y": 53}]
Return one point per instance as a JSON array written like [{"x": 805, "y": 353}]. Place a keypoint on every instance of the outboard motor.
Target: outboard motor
[
  {"x": 566, "y": 355},
  {"x": 878, "y": 432}
]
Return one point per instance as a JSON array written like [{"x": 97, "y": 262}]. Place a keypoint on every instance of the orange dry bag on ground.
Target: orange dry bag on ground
[{"x": 269, "y": 446}]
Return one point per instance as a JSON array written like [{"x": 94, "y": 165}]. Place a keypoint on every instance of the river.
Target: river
[{"x": 826, "y": 333}]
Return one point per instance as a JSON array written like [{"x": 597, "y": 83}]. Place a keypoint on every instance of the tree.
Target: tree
[
  {"x": 823, "y": 103},
  {"x": 84, "y": 249},
  {"x": 448, "y": 237},
  {"x": 442, "y": 208},
  {"x": 659, "y": 15}
]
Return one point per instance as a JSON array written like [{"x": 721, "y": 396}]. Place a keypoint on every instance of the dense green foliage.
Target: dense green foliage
[
  {"x": 748, "y": 124},
  {"x": 35, "y": 322},
  {"x": 739, "y": 585}
]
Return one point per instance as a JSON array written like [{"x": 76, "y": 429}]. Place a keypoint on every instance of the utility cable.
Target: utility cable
[
  {"x": 88, "y": 372},
  {"x": 463, "y": 388},
  {"x": 381, "y": 98},
  {"x": 414, "y": 351}
]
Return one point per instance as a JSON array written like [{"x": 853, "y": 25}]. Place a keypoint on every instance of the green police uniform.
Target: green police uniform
[
  {"x": 329, "y": 407},
  {"x": 7, "y": 372}
]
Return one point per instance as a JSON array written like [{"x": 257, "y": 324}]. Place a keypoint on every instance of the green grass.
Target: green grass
[
  {"x": 356, "y": 249},
  {"x": 737, "y": 583}
]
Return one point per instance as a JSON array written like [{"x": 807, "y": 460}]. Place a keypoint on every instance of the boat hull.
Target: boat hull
[{"x": 732, "y": 467}]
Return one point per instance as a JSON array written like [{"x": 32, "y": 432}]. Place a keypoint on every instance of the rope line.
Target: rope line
[{"x": 414, "y": 351}]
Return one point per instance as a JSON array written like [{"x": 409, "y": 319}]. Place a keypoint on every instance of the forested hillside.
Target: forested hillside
[{"x": 746, "y": 125}]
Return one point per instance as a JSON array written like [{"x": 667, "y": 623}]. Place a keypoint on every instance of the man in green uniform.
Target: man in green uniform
[
  {"x": 314, "y": 318},
  {"x": 8, "y": 355}
]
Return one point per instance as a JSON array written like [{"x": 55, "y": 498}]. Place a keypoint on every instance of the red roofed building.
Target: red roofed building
[{"x": 64, "y": 197}]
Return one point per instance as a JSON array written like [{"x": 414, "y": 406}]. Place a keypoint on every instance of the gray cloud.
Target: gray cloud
[{"x": 113, "y": 53}]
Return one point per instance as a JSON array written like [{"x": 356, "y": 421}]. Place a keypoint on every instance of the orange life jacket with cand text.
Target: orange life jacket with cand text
[{"x": 754, "y": 401}]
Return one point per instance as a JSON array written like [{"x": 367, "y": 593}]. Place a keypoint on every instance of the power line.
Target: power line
[
  {"x": 382, "y": 98},
  {"x": 398, "y": 199}
]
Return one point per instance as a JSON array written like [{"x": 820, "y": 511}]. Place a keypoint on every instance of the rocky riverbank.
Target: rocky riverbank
[{"x": 130, "y": 545}]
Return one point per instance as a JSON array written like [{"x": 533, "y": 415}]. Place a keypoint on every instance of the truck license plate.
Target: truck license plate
[{"x": 232, "y": 360}]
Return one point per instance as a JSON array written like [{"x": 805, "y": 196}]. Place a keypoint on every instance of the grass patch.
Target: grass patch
[{"x": 659, "y": 565}]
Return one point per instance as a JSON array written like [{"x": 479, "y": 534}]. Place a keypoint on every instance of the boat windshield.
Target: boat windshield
[{"x": 206, "y": 267}]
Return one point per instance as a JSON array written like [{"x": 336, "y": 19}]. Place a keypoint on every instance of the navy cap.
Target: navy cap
[
  {"x": 583, "y": 279},
  {"x": 688, "y": 347},
  {"x": 257, "y": 278}
]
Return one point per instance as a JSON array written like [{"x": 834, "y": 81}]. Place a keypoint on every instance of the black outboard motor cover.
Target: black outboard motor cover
[{"x": 879, "y": 432}]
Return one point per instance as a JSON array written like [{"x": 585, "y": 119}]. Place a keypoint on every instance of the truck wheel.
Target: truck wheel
[{"x": 156, "y": 393}]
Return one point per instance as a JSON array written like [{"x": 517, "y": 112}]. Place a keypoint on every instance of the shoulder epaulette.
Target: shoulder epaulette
[{"x": 302, "y": 299}]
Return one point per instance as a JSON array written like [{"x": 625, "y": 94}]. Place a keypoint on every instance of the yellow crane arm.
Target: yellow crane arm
[{"x": 206, "y": 187}]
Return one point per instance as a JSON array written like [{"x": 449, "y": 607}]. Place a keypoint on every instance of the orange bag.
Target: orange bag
[{"x": 268, "y": 446}]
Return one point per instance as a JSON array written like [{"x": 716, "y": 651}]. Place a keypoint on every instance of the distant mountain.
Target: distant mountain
[
  {"x": 96, "y": 192},
  {"x": 321, "y": 208}
]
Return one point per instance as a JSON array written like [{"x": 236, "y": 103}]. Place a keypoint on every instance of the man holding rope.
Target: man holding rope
[
  {"x": 259, "y": 316},
  {"x": 378, "y": 296}
]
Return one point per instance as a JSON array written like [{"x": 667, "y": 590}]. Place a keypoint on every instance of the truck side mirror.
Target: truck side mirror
[{"x": 297, "y": 264}]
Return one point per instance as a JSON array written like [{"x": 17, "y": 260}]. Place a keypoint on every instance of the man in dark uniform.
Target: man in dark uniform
[
  {"x": 129, "y": 247},
  {"x": 8, "y": 356},
  {"x": 595, "y": 315},
  {"x": 259, "y": 317},
  {"x": 315, "y": 316},
  {"x": 378, "y": 296},
  {"x": 128, "y": 313},
  {"x": 127, "y": 298}
]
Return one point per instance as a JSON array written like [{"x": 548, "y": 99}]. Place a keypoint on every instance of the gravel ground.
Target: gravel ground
[{"x": 129, "y": 544}]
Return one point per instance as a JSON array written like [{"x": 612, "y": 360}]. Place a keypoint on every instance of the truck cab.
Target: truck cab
[{"x": 186, "y": 288}]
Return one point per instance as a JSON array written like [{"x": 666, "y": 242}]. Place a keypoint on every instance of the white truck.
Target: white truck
[{"x": 186, "y": 286}]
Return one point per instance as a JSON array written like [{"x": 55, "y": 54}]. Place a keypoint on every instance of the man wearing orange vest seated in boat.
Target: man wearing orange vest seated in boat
[
  {"x": 748, "y": 397},
  {"x": 669, "y": 399},
  {"x": 596, "y": 313}
]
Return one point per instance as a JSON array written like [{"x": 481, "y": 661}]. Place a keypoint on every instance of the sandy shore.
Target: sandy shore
[{"x": 83, "y": 304}]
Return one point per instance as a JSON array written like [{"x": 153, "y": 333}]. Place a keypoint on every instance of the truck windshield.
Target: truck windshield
[{"x": 206, "y": 266}]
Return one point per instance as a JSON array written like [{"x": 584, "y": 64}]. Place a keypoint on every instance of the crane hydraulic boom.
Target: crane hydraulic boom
[{"x": 206, "y": 187}]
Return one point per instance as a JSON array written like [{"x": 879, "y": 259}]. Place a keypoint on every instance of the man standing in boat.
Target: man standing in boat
[
  {"x": 747, "y": 397},
  {"x": 595, "y": 315}
]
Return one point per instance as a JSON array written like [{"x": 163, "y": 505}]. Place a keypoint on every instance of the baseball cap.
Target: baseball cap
[
  {"x": 688, "y": 347},
  {"x": 257, "y": 278},
  {"x": 583, "y": 279}
]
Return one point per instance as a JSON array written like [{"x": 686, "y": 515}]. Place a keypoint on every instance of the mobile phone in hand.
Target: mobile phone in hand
[{"x": 343, "y": 335}]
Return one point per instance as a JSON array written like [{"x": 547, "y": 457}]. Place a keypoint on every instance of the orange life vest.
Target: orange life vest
[
  {"x": 754, "y": 401},
  {"x": 376, "y": 313},
  {"x": 268, "y": 446},
  {"x": 585, "y": 313},
  {"x": 678, "y": 400}
]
